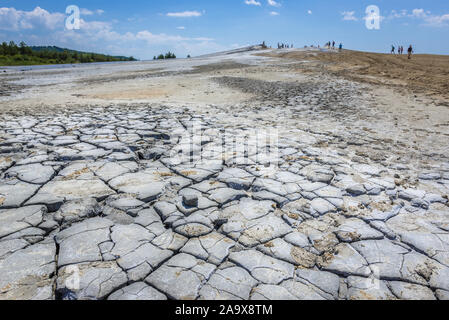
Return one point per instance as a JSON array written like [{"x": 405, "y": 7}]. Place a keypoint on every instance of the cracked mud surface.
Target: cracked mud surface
[{"x": 158, "y": 199}]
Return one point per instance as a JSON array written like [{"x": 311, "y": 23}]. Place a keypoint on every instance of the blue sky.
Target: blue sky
[{"x": 145, "y": 28}]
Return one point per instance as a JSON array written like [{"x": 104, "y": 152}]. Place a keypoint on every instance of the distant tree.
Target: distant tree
[
  {"x": 22, "y": 47},
  {"x": 13, "y": 48},
  {"x": 4, "y": 48},
  {"x": 64, "y": 55}
]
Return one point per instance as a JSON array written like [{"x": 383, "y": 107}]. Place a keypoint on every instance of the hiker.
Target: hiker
[
  {"x": 410, "y": 51},
  {"x": 393, "y": 49},
  {"x": 340, "y": 47},
  {"x": 333, "y": 45}
]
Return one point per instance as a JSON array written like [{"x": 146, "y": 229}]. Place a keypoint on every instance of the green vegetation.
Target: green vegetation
[
  {"x": 19, "y": 55},
  {"x": 168, "y": 55}
]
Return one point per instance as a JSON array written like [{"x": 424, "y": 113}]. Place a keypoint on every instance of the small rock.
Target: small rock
[{"x": 190, "y": 200}]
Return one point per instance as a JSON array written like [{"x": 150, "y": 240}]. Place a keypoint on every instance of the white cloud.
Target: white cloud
[
  {"x": 349, "y": 16},
  {"x": 253, "y": 3},
  {"x": 162, "y": 38},
  {"x": 437, "y": 21},
  {"x": 87, "y": 12},
  {"x": 274, "y": 13},
  {"x": 185, "y": 14},
  {"x": 15, "y": 20},
  {"x": 426, "y": 16},
  {"x": 40, "y": 27},
  {"x": 181, "y": 28},
  {"x": 273, "y": 3},
  {"x": 418, "y": 13},
  {"x": 309, "y": 11},
  {"x": 397, "y": 14},
  {"x": 430, "y": 19}
]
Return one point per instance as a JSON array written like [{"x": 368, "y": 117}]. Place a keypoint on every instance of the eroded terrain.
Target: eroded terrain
[{"x": 240, "y": 180}]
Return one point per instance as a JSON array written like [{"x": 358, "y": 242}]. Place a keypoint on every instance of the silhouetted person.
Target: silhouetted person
[
  {"x": 393, "y": 50},
  {"x": 410, "y": 52},
  {"x": 340, "y": 47}
]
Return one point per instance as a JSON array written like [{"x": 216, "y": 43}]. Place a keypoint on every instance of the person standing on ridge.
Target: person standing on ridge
[
  {"x": 393, "y": 49},
  {"x": 340, "y": 47},
  {"x": 410, "y": 52}
]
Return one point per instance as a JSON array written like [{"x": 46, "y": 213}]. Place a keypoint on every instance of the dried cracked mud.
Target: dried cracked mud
[{"x": 345, "y": 196}]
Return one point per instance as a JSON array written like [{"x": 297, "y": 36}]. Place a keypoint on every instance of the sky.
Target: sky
[{"x": 144, "y": 28}]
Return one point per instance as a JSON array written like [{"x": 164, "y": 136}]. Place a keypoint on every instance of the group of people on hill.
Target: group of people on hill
[
  {"x": 284, "y": 46},
  {"x": 401, "y": 50},
  {"x": 331, "y": 45}
]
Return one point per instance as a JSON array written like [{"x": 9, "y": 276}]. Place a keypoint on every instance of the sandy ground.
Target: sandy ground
[
  {"x": 91, "y": 158},
  {"x": 428, "y": 74}
]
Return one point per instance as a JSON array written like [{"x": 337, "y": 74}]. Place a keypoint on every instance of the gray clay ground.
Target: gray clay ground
[{"x": 101, "y": 201}]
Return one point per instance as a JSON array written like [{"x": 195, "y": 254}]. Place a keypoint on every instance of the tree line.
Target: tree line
[
  {"x": 168, "y": 55},
  {"x": 21, "y": 54}
]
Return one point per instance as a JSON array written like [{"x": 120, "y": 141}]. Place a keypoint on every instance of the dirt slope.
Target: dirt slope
[{"x": 424, "y": 73}]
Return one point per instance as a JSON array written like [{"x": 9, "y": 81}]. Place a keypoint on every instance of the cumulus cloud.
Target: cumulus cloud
[
  {"x": 87, "y": 12},
  {"x": 437, "y": 21},
  {"x": 164, "y": 38},
  {"x": 16, "y": 20},
  {"x": 273, "y": 3},
  {"x": 253, "y": 3},
  {"x": 426, "y": 16},
  {"x": 418, "y": 13},
  {"x": 96, "y": 36},
  {"x": 397, "y": 14},
  {"x": 185, "y": 14},
  {"x": 430, "y": 19}
]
